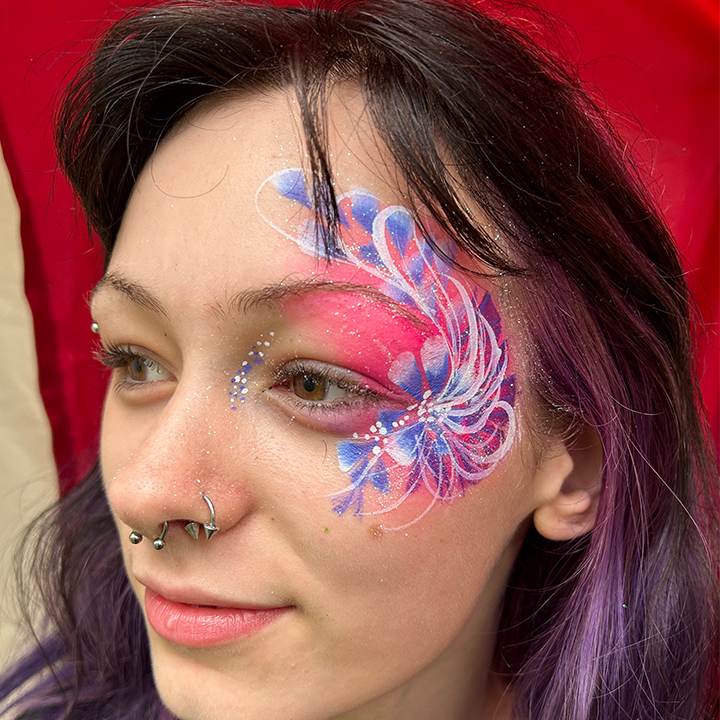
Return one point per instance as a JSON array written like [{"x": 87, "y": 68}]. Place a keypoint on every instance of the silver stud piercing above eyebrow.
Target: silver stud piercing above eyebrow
[
  {"x": 95, "y": 328},
  {"x": 135, "y": 537},
  {"x": 159, "y": 542},
  {"x": 210, "y": 527}
]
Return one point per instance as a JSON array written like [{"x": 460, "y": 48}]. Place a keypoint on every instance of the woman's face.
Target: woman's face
[{"x": 355, "y": 424}]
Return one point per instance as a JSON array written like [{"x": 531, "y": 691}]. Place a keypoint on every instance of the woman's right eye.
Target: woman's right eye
[
  {"x": 141, "y": 369},
  {"x": 132, "y": 368}
]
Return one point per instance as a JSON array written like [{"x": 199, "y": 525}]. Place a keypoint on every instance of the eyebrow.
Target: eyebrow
[
  {"x": 133, "y": 291},
  {"x": 245, "y": 301}
]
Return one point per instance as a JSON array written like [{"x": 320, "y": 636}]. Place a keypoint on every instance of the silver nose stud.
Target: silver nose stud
[{"x": 210, "y": 527}]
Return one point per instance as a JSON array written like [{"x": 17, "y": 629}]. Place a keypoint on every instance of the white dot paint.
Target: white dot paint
[{"x": 239, "y": 380}]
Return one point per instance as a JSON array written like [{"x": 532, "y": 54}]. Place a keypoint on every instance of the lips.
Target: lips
[{"x": 205, "y": 625}]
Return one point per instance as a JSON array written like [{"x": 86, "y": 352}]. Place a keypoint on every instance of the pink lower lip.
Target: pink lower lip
[{"x": 200, "y": 626}]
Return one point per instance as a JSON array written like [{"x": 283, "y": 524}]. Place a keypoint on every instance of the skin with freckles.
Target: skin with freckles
[{"x": 373, "y": 621}]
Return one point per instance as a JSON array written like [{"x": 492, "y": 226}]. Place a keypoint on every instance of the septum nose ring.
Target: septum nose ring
[
  {"x": 158, "y": 542},
  {"x": 210, "y": 527},
  {"x": 192, "y": 528}
]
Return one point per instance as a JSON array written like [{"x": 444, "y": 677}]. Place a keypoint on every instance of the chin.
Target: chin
[{"x": 220, "y": 684}]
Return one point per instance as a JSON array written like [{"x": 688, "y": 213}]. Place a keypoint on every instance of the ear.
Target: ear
[{"x": 567, "y": 485}]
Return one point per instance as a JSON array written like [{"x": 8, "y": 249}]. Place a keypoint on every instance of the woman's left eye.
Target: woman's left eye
[
  {"x": 329, "y": 398},
  {"x": 307, "y": 387},
  {"x": 313, "y": 384}
]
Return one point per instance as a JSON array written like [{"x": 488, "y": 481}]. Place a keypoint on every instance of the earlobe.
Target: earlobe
[{"x": 568, "y": 487}]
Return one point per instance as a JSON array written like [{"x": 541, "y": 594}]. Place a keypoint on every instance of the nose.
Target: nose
[{"x": 183, "y": 477}]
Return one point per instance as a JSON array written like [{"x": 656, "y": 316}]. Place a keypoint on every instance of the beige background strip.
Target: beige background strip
[{"x": 28, "y": 480}]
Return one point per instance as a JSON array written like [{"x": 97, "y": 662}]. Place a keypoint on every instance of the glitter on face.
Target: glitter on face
[
  {"x": 460, "y": 419},
  {"x": 239, "y": 390}
]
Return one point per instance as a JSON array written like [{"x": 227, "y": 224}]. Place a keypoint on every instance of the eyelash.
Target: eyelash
[
  {"x": 118, "y": 357},
  {"x": 324, "y": 374}
]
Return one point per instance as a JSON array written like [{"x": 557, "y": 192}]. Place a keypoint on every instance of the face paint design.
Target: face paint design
[
  {"x": 239, "y": 388},
  {"x": 460, "y": 420}
]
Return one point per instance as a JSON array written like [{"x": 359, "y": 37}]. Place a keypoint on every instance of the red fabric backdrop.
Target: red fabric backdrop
[{"x": 655, "y": 62}]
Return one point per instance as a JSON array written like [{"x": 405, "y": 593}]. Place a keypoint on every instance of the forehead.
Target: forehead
[{"x": 195, "y": 201}]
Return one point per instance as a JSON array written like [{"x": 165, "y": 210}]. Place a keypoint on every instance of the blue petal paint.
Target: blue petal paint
[
  {"x": 408, "y": 440},
  {"x": 380, "y": 478},
  {"x": 369, "y": 253},
  {"x": 416, "y": 270},
  {"x": 407, "y": 376},
  {"x": 400, "y": 296},
  {"x": 343, "y": 218},
  {"x": 350, "y": 453},
  {"x": 365, "y": 210},
  {"x": 400, "y": 226},
  {"x": 291, "y": 184},
  {"x": 441, "y": 446},
  {"x": 436, "y": 363},
  {"x": 388, "y": 417}
]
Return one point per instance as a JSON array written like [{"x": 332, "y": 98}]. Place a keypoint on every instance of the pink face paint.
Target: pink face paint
[
  {"x": 358, "y": 338},
  {"x": 361, "y": 334},
  {"x": 459, "y": 420}
]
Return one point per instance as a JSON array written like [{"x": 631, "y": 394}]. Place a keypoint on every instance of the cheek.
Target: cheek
[
  {"x": 125, "y": 430},
  {"x": 122, "y": 434},
  {"x": 122, "y": 437},
  {"x": 407, "y": 594}
]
